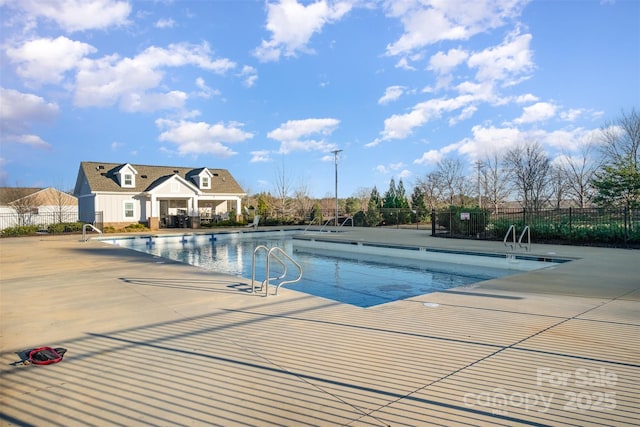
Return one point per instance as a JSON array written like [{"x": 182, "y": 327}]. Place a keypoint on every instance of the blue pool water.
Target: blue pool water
[{"x": 361, "y": 280}]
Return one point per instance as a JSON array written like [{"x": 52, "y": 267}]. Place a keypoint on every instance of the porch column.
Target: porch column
[
  {"x": 154, "y": 212},
  {"x": 238, "y": 208}
]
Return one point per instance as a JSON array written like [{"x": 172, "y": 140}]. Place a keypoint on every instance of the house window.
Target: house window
[
  {"x": 205, "y": 182},
  {"x": 128, "y": 210},
  {"x": 128, "y": 180}
]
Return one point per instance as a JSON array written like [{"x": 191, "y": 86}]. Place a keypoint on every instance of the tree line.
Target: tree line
[{"x": 604, "y": 173}]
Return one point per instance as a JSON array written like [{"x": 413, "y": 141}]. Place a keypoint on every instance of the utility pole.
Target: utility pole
[
  {"x": 335, "y": 161},
  {"x": 479, "y": 164}
]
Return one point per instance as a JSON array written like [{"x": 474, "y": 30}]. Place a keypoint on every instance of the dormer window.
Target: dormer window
[
  {"x": 203, "y": 179},
  {"x": 205, "y": 182},
  {"x": 127, "y": 176}
]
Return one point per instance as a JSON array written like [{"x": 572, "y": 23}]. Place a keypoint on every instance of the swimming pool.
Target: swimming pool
[{"x": 357, "y": 274}]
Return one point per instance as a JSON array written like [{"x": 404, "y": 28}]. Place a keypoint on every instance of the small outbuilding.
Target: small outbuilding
[{"x": 119, "y": 194}]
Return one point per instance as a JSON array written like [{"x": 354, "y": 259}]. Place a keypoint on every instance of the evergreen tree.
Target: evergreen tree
[
  {"x": 618, "y": 185},
  {"x": 389, "y": 214},
  {"x": 404, "y": 216},
  {"x": 418, "y": 203},
  {"x": 373, "y": 216},
  {"x": 316, "y": 213},
  {"x": 263, "y": 207},
  {"x": 391, "y": 196}
]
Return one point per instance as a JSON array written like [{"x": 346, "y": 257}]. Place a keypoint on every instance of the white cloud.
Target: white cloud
[
  {"x": 400, "y": 126},
  {"x": 565, "y": 139},
  {"x": 147, "y": 102},
  {"x": 404, "y": 174},
  {"x": 28, "y": 139},
  {"x": 250, "y": 75},
  {"x": 111, "y": 79},
  {"x": 392, "y": 93},
  {"x": 19, "y": 112},
  {"x": 443, "y": 63},
  {"x": 509, "y": 63},
  {"x": 487, "y": 141},
  {"x": 525, "y": 99},
  {"x": 295, "y": 135},
  {"x": 537, "y": 112},
  {"x": 205, "y": 91},
  {"x": 202, "y": 138},
  {"x": 46, "y": 60},
  {"x": 426, "y": 23},
  {"x": 465, "y": 114},
  {"x": 79, "y": 15},
  {"x": 381, "y": 169},
  {"x": 430, "y": 157},
  {"x": 165, "y": 23},
  {"x": 572, "y": 114},
  {"x": 404, "y": 64},
  {"x": 292, "y": 25},
  {"x": 260, "y": 156}
]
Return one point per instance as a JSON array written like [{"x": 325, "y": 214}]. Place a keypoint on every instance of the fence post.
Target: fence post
[
  {"x": 626, "y": 222},
  {"x": 433, "y": 222},
  {"x": 570, "y": 225}
]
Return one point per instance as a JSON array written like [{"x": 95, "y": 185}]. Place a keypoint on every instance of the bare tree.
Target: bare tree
[
  {"x": 432, "y": 187},
  {"x": 282, "y": 190},
  {"x": 557, "y": 186},
  {"x": 621, "y": 140},
  {"x": 303, "y": 202},
  {"x": 452, "y": 177},
  {"x": 363, "y": 194},
  {"x": 495, "y": 182},
  {"x": 528, "y": 167},
  {"x": 63, "y": 203},
  {"x": 579, "y": 172},
  {"x": 22, "y": 202}
]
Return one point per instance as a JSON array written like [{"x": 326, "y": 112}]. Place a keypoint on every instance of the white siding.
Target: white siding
[{"x": 112, "y": 204}]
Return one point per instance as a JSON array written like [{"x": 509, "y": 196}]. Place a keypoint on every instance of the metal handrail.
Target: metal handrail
[
  {"x": 527, "y": 245},
  {"x": 325, "y": 224},
  {"x": 287, "y": 282},
  {"x": 347, "y": 219},
  {"x": 271, "y": 253},
  {"x": 84, "y": 231},
  {"x": 512, "y": 231},
  {"x": 311, "y": 223}
]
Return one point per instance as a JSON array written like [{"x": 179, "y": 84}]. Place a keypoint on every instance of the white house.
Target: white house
[
  {"x": 159, "y": 196},
  {"x": 36, "y": 206}
]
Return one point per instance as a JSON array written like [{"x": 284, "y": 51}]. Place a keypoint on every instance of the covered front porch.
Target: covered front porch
[{"x": 191, "y": 212}]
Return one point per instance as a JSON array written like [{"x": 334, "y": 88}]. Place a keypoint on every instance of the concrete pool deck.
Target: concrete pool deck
[{"x": 156, "y": 342}]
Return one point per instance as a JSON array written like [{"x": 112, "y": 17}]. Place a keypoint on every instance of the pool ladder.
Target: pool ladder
[
  {"x": 274, "y": 253},
  {"x": 512, "y": 233}
]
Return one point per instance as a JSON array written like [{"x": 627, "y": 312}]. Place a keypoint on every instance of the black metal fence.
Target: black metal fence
[
  {"x": 584, "y": 226},
  {"x": 43, "y": 219}
]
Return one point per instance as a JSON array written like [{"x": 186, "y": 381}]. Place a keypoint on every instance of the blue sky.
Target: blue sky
[{"x": 268, "y": 89}]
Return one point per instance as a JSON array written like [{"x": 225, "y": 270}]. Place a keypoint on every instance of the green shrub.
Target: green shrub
[
  {"x": 23, "y": 230},
  {"x": 133, "y": 228},
  {"x": 65, "y": 227},
  {"x": 451, "y": 220}
]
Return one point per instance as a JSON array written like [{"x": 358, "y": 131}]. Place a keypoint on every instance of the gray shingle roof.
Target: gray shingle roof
[{"x": 102, "y": 177}]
